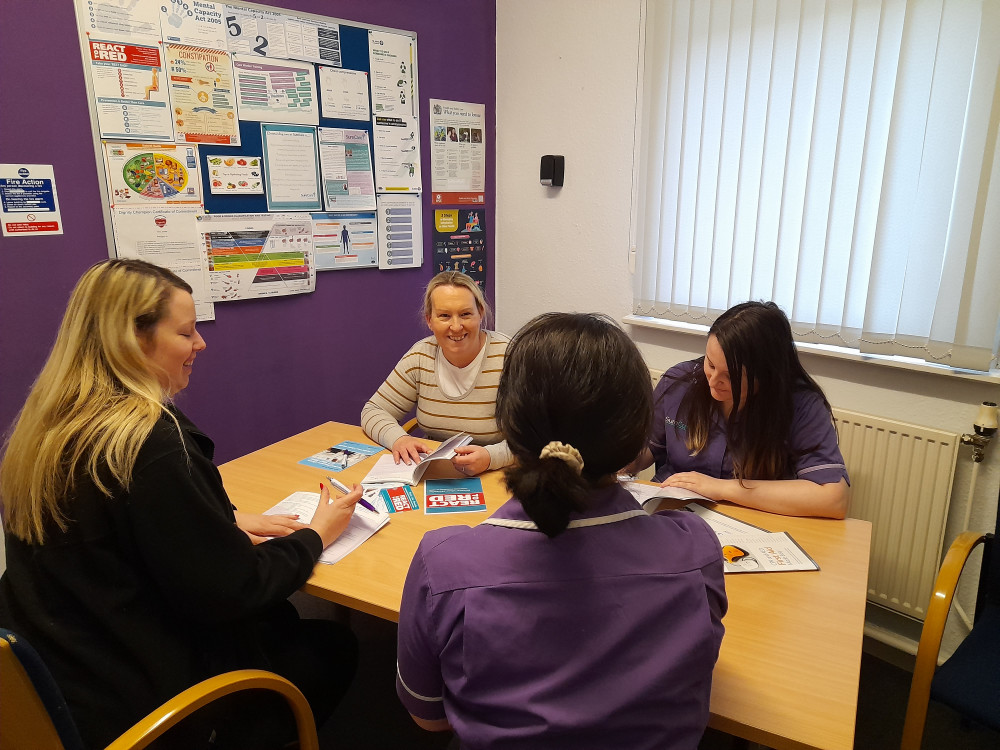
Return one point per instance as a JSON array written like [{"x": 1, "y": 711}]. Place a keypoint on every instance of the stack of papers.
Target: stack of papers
[
  {"x": 387, "y": 471},
  {"x": 362, "y": 527},
  {"x": 750, "y": 549}
]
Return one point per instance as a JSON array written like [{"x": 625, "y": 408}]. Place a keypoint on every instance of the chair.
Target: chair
[
  {"x": 969, "y": 681},
  {"x": 410, "y": 425},
  {"x": 33, "y": 713}
]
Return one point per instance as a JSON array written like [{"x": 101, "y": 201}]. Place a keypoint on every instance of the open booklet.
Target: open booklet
[
  {"x": 647, "y": 493},
  {"x": 387, "y": 471},
  {"x": 363, "y": 524},
  {"x": 750, "y": 549}
]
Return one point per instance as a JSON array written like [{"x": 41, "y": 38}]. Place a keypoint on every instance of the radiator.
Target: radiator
[{"x": 901, "y": 477}]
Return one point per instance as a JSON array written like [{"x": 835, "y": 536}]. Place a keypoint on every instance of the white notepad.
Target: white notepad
[{"x": 362, "y": 527}]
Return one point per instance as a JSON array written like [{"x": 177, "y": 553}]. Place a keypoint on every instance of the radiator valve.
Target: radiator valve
[{"x": 985, "y": 427}]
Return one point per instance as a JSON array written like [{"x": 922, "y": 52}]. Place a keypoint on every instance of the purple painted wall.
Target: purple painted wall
[{"x": 273, "y": 367}]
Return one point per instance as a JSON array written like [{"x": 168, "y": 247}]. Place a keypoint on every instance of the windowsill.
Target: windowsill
[{"x": 837, "y": 352}]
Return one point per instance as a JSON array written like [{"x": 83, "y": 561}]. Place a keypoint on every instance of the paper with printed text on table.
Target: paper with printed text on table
[{"x": 362, "y": 527}]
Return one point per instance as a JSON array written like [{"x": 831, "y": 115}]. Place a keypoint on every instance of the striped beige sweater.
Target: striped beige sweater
[{"x": 414, "y": 383}]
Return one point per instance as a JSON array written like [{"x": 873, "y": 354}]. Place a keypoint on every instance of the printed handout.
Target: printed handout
[{"x": 362, "y": 526}]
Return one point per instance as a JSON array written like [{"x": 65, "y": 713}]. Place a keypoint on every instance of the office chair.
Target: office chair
[
  {"x": 33, "y": 712},
  {"x": 969, "y": 681}
]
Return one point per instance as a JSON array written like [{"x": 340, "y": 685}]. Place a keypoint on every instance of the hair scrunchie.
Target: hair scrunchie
[{"x": 564, "y": 452}]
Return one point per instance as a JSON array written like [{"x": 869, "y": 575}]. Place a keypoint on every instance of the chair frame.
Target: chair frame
[
  {"x": 931, "y": 634},
  {"x": 27, "y": 723}
]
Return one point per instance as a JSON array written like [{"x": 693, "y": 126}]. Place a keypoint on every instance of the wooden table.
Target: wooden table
[{"x": 787, "y": 675}]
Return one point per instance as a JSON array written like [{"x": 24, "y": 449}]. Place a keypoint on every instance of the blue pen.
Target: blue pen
[{"x": 346, "y": 490}]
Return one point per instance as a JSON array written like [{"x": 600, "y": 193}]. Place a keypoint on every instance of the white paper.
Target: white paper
[
  {"x": 361, "y": 528},
  {"x": 251, "y": 256},
  {"x": 387, "y": 471},
  {"x": 168, "y": 237},
  {"x": 391, "y": 59},
  {"x": 152, "y": 173},
  {"x": 458, "y": 147},
  {"x": 344, "y": 93},
  {"x": 348, "y": 180},
  {"x": 200, "y": 24},
  {"x": 397, "y": 154},
  {"x": 202, "y": 98},
  {"x": 275, "y": 90},
  {"x": 291, "y": 167},
  {"x": 122, "y": 18},
  {"x": 270, "y": 33},
  {"x": 400, "y": 232},
  {"x": 130, "y": 90},
  {"x": 29, "y": 205}
]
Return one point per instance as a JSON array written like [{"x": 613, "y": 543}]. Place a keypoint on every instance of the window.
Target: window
[{"x": 837, "y": 157}]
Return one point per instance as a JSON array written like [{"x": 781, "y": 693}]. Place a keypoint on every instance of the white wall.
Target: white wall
[{"x": 566, "y": 84}]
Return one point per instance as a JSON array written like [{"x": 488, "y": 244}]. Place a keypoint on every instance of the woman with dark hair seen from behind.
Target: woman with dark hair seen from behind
[
  {"x": 127, "y": 568},
  {"x": 569, "y": 618},
  {"x": 746, "y": 423}
]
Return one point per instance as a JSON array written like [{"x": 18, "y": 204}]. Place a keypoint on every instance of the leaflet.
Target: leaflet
[
  {"x": 749, "y": 549},
  {"x": 342, "y": 455}
]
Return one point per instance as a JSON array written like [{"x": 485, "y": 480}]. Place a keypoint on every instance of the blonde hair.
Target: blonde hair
[
  {"x": 462, "y": 280},
  {"x": 96, "y": 399}
]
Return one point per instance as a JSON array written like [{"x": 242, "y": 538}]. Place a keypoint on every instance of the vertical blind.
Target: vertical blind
[{"x": 837, "y": 157}]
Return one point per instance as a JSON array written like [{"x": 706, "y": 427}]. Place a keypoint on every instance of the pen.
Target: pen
[{"x": 347, "y": 490}]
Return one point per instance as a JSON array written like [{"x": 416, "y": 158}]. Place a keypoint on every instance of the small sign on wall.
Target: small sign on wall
[{"x": 28, "y": 202}]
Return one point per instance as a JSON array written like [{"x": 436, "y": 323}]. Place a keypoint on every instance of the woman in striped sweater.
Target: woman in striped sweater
[{"x": 450, "y": 378}]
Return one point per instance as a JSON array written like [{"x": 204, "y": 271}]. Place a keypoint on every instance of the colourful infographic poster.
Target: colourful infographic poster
[
  {"x": 160, "y": 173},
  {"x": 460, "y": 242},
  {"x": 202, "y": 96},
  {"x": 251, "y": 256},
  {"x": 345, "y": 240},
  {"x": 276, "y": 90},
  {"x": 130, "y": 94}
]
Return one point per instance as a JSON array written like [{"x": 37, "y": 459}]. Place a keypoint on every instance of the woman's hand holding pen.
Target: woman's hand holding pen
[{"x": 332, "y": 517}]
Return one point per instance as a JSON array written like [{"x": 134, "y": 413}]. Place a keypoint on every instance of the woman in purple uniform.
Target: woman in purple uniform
[
  {"x": 569, "y": 618},
  {"x": 746, "y": 423}
]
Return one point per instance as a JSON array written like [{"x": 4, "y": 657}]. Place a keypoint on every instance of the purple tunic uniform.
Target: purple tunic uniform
[
  {"x": 604, "y": 636},
  {"x": 812, "y": 438}
]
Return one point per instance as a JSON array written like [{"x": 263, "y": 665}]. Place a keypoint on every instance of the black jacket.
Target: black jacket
[{"x": 150, "y": 591}]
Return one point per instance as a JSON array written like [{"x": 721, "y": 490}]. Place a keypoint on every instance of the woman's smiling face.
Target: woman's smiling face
[{"x": 456, "y": 322}]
